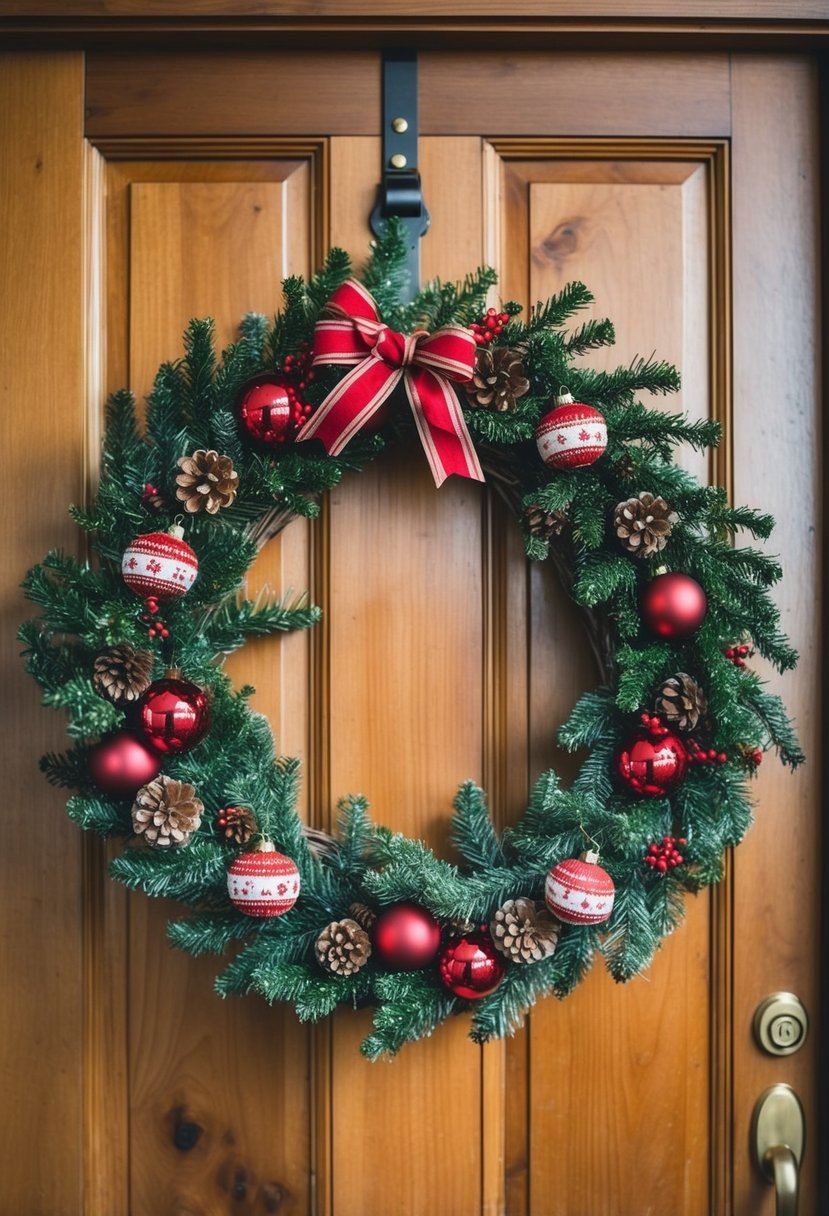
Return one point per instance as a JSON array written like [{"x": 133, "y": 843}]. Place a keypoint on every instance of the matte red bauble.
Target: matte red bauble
[
  {"x": 579, "y": 891},
  {"x": 120, "y": 764},
  {"x": 673, "y": 605},
  {"x": 572, "y": 435},
  {"x": 263, "y": 883},
  {"x": 650, "y": 766},
  {"x": 160, "y": 565},
  {"x": 266, "y": 409},
  {"x": 406, "y": 937},
  {"x": 470, "y": 966},
  {"x": 173, "y": 715}
]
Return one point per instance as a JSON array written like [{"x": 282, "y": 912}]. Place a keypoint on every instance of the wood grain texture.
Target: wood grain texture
[
  {"x": 734, "y": 10},
  {"x": 442, "y": 655},
  {"x": 250, "y": 94},
  {"x": 637, "y": 233},
  {"x": 234, "y": 1074},
  {"x": 777, "y": 447},
  {"x": 406, "y": 627},
  {"x": 43, "y": 433},
  {"x": 671, "y": 95}
]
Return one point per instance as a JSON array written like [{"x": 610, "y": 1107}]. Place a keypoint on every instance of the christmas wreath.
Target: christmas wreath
[{"x": 168, "y": 756}]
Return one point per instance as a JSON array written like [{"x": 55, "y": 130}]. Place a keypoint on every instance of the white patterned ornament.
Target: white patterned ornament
[
  {"x": 263, "y": 883},
  {"x": 579, "y": 891},
  {"x": 160, "y": 565},
  {"x": 572, "y": 435}
]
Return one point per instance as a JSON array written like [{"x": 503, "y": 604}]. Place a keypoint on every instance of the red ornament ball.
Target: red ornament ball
[
  {"x": 173, "y": 715},
  {"x": 572, "y": 435},
  {"x": 271, "y": 410},
  {"x": 160, "y": 565},
  {"x": 651, "y": 765},
  {"x": 263, "y": 883},
  {"x": 579, "y": 891},
  {"x": 120, "y": 764},
  {"x": 470, "y": 966},
  {"x": 406, "y": 937},
  {"x": 674, "y": 605}
]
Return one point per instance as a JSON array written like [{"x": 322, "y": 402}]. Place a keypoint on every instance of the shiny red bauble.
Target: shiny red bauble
[
  {"x": 172, "y": 716},
  {"x": 651, "y": 765},
  {"x": 263, "y": 883},
  {"x": 160, "y": 565},
  {"x": 406, "y": 937},
  {"x": 572, "y": 435},
  {"x": 579, "y": 891},
  {"x": 270, "y": 409},
  {"x": 470, "y": 966},
  {"x": 120, "y": 764},
  {"x": 673, "y": 605}
]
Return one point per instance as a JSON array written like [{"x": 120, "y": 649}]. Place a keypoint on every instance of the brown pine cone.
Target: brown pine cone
[
  {"x": 166, "y": 812},
  {"x": 681, "y": 701},
  {"x": 643, "y": 524},
  {"x": 342, "y": 947},
  {"x": 498, "y": 380},
  {"x": 121, "y": 673},
  {"x": 237, "y": 823},
  {"x": 364, "y": 916},
  {"x": 207, "y": 482},
  {"x": 544, "y": 524},
  {"x": 524, "y": 931}
]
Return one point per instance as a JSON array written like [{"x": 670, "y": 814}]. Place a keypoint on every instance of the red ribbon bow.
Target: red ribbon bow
[{"x": 425, "y": 362}]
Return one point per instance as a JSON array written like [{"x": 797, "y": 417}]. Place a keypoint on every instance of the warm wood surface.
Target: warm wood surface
[
  {"x": 441, "y": 655},
  {"x": 613, "y": 10},
  {"x": 405, "y": 623},
  {"x": 640, "y": 245},
  {"x": 42, "y": 409},
  {"x": 672, "y": 95},
  {"x": 778, "y": 872},
  {"x": 236, "y": 1070},
  {"x": 301, "y": 93},
  {"x": 543, "y": 94}
]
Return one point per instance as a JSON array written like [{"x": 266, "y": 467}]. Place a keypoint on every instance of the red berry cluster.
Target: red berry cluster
[
  {"x": 157, "y": 627},
  {"x": 151, "y": 497},
  {"x": 489, "y": 327},
  {"x": 737, "y": 654},
  {"x": 665, "y": 856},
  {"x": 702, "y": 755},
  {"x": 299, "y": 369},
  {"x": 752, "y": 755},
  {"x": 221, "y": 819},
  {"x": 655, "y": 725}
]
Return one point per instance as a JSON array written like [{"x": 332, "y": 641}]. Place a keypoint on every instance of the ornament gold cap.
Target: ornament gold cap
[
  {"x": 564, "y": 396},
  {"x": 176, "y": 531},
  {"x": 660, "y": 570},
  {"x": 591, "y": 857},
  {"x": 266, "y": 846}
]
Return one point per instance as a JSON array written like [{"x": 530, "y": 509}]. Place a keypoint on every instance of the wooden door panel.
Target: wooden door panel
[
  {"x": 637, "y": 233},
  {"x": 441, "y": 656},
  {"x": 777, "y": 458},
  {"x": 406, "y": 625},
  {"x": 41, "y": 948},
  {"x": 219, "y": 1100}
]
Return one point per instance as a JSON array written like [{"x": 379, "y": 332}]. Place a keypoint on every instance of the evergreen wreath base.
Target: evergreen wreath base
[{"x": 85, "y": 608}]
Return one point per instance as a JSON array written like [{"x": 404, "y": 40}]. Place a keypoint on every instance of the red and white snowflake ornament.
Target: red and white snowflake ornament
[
  {"x": 264, "y": 882},
  {"x": 160, "y": 565},
  {"x": 579, "y": 891},
  {"x": 572, "y": 435}
]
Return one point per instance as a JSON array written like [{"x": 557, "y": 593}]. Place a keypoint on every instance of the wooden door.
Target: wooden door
[{"x": 683, "y": 190}]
